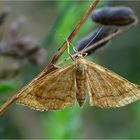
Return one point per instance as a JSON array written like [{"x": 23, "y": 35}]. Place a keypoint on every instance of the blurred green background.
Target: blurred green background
[{"x": 51, "y": 23}]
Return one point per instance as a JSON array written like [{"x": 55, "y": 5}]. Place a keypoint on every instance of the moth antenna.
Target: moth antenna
[
  {"x": 93, "y": 38},
  {"x": 75, "y": 50}
]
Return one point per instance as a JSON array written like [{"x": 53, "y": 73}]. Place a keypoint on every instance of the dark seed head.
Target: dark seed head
[
  {"x": 119, "y": 16},
  {"x": 3, "y": 14},
  {"x": 91, "y": 39}
]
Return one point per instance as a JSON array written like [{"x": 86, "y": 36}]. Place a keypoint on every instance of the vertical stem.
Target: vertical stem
[
  {"x": 74, "y": 32},
  {"x": 56, "y": 57}
]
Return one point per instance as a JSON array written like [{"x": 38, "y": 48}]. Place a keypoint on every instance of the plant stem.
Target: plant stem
[
  {"x": 55, "y": 58},
  {"x": 74, "y": 32}
]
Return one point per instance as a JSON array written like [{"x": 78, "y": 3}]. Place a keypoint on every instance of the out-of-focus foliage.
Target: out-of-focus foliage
[
  {"x": 52, "y": 22},
  {"x": 8, "y": 87},
  {"x": 67, "y": 122}
]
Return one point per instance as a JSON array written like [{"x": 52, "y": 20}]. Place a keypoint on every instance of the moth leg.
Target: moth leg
[
  {"x": 56, "y": 66},
  {"x": 68, "y": 44}
]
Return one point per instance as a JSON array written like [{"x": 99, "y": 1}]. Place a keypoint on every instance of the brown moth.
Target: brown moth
[{"x": 61, "y": 87}]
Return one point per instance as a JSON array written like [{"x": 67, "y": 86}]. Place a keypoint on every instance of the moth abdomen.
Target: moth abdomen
[
  {"x": 81, "y": 81},
  {"x": 80, "y": 100}
]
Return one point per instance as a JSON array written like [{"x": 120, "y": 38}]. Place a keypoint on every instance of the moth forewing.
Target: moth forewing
[
  {"x": 55, "y": 90},
  {"x": 108, "y": 89}
]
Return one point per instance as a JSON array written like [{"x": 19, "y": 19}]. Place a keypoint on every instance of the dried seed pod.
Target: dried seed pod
[
  {"x": 94, "y": 37},
  {"x": 3, "y": 14},
  {"x": 31, "y": 48},
  {"x": 24, "y": 47},
  {"x": 16, "y": 26},
  {"x": 28, "y": 46},
  {"x": 10, "y": 68},
  {"x": 119, "y": 16},
  {"x": 39, "y": 57}
]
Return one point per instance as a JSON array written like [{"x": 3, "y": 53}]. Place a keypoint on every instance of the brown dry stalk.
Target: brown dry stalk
[
  {"x": 58, "y": 54},
  {"x": 74, "y": 32}
]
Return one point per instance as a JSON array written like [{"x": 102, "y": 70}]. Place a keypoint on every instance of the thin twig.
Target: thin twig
[
  {"x": 74, "y": 32},
  {"x": 56, "y": 57}
]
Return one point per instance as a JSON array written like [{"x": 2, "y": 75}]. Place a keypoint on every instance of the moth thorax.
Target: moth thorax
[
  {"x": 80, "y": 68},
  {"x": 81, "y": 82},
  {"x": 80, "y": 100}
]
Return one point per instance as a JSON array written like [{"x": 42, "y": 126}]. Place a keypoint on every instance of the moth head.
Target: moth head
[{"x": 81, "y": 55}]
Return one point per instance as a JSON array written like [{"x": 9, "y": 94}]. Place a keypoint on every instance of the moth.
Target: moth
[{"x": 63, "y": 86}]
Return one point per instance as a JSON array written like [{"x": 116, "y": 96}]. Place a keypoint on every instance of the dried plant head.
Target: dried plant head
[
  {"x": 115, "y": 15},
  {"x": 94, "y": 37}
]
